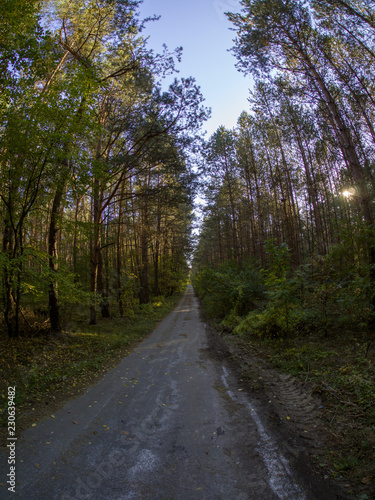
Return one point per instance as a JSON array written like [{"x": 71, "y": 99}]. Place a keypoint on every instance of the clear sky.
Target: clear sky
[{"x": 202, "y": 29}]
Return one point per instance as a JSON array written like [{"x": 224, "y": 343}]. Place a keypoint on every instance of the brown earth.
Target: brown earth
[{"x": 296, "y": 410}]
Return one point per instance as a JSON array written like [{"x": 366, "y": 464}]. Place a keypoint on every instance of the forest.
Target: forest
[
  {"x": 285, "y": 262},
  {"x": 96, "y": 158},
  {"x": 102, "y": 164},
  {"x": 289, "y": 212}
]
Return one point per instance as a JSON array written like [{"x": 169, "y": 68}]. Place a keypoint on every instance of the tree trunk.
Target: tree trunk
[
  {"x": 53, "y": 304},
  {"x": 95, "y": 250},
  {"x": 9, "y": 311}
]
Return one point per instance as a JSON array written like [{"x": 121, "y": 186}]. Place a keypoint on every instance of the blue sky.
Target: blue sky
[{"x": 201, "y": 28}]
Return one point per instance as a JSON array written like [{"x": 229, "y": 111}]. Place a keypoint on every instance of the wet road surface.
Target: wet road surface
[{"x": 169, "y": 422}]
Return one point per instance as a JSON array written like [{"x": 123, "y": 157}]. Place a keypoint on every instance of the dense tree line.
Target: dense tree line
[
  {"x": 96, "y": 183},
  {"x": 296, "y": 176}
]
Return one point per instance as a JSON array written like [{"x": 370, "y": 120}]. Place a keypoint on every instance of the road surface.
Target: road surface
[{"x": 169, "y": 422}]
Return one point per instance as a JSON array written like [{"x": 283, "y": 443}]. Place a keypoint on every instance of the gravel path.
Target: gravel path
[{"x": 169, "y": 422}]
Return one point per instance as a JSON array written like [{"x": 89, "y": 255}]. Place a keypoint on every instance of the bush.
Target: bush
[{"x": 227, "y": 290}]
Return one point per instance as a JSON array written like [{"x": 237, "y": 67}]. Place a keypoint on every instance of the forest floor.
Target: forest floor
[
  {"x": 320, "y": 390},
  {"x": 47, "y": 371},
  {"x": 171, "y": 420},
  {"x": 315, "y": 390}
]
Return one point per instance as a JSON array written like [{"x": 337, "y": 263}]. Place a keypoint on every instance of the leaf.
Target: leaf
[
  {"x": 367, "y": 480},
  {"x": 75, "y": 422}
]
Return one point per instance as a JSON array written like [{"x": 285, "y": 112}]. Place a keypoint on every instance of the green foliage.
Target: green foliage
[
  {"x": 37, "y": 276},
  {"x": 322, "y": 296},
  {"x": 40, "y": 366},
  {"x": 129, "y": 292},
  {"x": 227, "y": 290}
]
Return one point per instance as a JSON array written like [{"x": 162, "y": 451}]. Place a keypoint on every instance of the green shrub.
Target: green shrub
[{"x": 226, "y": 290}]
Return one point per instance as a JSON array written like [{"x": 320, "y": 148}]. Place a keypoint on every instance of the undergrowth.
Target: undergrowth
[
  {"x": 314, "y": 323},
  {"x": 45, "y": 369},
  {"x": 344, "y": 378}
]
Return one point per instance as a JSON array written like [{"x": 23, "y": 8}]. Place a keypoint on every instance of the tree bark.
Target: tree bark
[{"x": 53, "y": 304}]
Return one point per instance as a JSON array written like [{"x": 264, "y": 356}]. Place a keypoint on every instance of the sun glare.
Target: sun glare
[{"x": 348, "y": 193}]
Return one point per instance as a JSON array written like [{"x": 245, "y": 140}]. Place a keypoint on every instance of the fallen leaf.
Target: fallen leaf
[
  {"x": 53, "y": 416},
  {"x": 75, "y": 422},
  {"x": 33, "y": 425},
  {"x": 37, "y": 466},
  {"x": 48, "y": 442},
  {"x": 366, "y": 480},
  {"x": 288, "y": 418},
  {"x": 125, "y": 433}
]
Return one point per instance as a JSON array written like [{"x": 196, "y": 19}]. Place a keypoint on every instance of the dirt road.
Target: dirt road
[{"x": 169, "y": 422}]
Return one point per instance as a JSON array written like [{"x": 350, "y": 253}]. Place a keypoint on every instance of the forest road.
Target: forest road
[{"x": 169, "y": 422}]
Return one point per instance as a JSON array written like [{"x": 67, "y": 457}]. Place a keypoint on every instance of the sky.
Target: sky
[{"x": 202, "y": 29}]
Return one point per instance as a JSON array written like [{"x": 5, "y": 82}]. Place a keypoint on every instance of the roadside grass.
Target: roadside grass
[
  {"x": 46, "y": 371},
  {"x": 344, "y": 378}
]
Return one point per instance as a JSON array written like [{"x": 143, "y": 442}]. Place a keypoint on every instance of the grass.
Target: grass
[
  {"x": 344, "y": 377},
  {"x": 47, "y": 371}
]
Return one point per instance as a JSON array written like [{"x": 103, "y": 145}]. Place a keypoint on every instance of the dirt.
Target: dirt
[
  {"x": 189, "y": 434},
  {"x": 294, "y": 412},
  {"x": 40, "y": 408}
]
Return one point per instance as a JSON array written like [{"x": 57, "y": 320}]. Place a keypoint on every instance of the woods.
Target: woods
[
  {"x": 96, "y": 179},
  {"x": 295, "y": 177},
  {"x": 105, "y": 172},
  {"x": 285, "y": 261}
]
